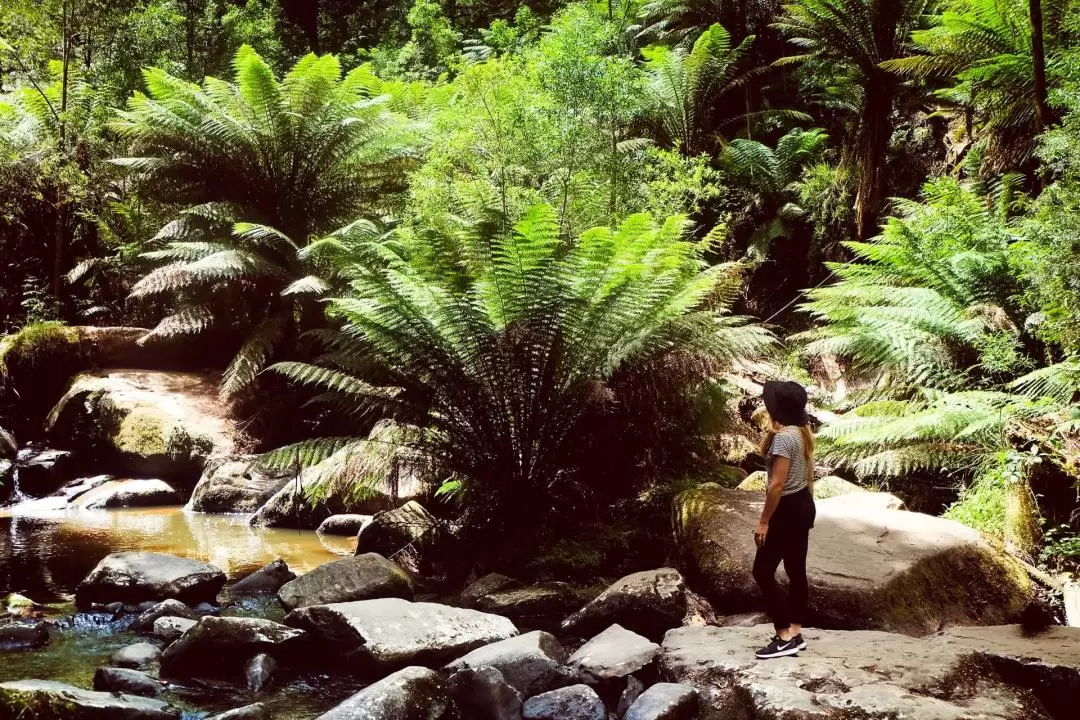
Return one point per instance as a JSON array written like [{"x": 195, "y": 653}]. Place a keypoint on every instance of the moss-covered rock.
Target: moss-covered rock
[
  {"x": 45, "y": 700},
  {"x": 869, "y": 568},
  {"x": 754, "y": 482},
  {"x": 161, "y": 424}
]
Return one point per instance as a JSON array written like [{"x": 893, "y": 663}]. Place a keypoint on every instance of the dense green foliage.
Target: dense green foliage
[{"x": 453, "y": 226}]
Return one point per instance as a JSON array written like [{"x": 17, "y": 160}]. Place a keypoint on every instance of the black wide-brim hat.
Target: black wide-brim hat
[{"x": 786, "y": 402}]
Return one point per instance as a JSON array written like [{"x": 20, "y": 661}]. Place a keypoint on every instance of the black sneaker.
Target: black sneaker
[
  {"x": 798, "y": 640},
  {"x": 778, "y": 648}
]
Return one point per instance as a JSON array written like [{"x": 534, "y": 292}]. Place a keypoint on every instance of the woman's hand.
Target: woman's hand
[{"x": 761, "y": 532}]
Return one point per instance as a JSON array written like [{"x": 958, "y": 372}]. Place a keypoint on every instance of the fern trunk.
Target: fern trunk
[
  {"x": 1021, "y": 519},
  {"x": 871, "y": 149}
]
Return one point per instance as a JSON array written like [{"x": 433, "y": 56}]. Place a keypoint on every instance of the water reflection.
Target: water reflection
[{"x": 44, "y": 555}]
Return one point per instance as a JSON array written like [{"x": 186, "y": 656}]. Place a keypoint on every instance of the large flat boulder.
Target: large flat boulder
[
  {"x": 363, "y": 577},
  {"x": 47, "y": 700},
  {"x": 127, "y": 494},
  {"x": 235, "y": 484},
  {"x": 868, "y": 567},
  {"x": 850, "y": 674},
  {"x": 614, "y": 654},
  {"x": 135, "y": 577},
  {"x": 145, "y": 423},
  {"x": 391, "y": 633},
  {"x": 222, "y": 646},
  {"x": 412, "y": 693}
]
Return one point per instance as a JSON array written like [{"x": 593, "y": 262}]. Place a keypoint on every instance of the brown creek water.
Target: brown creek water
[{"x": 44, "y": 556}]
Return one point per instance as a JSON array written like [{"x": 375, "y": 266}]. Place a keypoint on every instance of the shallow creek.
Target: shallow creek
[{"x": 45, "y": 555}]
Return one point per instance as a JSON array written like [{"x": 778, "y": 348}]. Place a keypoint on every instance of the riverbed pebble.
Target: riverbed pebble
[{"x": 136, "y": 657}]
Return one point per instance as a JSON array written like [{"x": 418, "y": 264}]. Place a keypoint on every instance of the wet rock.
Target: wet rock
[
  {"x": 413, "y": 693},
  {"x": 531, "y": 663},
  {"x": 138, "y": 576},
  {"x": 289, "y": 508},
  {"x": 147, "y": 620},
  {"x": 20, "y": 605},
  {"x": 390, "y": 633},
  {"x": 169, "y": 629},
  {"x": 19, "y": 637},
  {"x": 264, "y": 581},
  {"x": 864, "y": 674},
  {"x": 221, "y": 647},
  {"x": 577, "y": 702},
  {"x": 205, "y": 608},
  {"x": 613, "y": 654},
  {"x": 8, "y": 447},
  {"x": 42, "y": 473},
  {"x": 7, "y": 480},
  {"x": 482, "y": 694},
  {"x": 867, "y": 567},
  {"x": 357, "y": 578},
  {"x": 77, "y": 488},
  {"x": 136, "y": 657},
  {"x": 346, "y": 525},
  {"x": 665, "y": 701},
  {"x": 649, "y": 603},
  {"x": 127, "y": 494},
  {"x": 235, "y": 484},
  {"x": 538, "y": 607},
  {"x": 634, "y": 688},
  {"x": 115, "y": 609},
  {"x": 413, "y": 537},
  {"x": 257, "y": 711},
  {"x": 123, "y": 680},
  {"x": 488, "y": 584},
  {"x": 146, "y": 423},
  {"x": 259, "y": 673},
  {"x": 46, "y": 700}
]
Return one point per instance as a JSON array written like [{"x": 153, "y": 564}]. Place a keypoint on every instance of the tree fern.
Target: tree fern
[
  {"x": 263, "y": 166},
  {"x": 502, "y": 343}
]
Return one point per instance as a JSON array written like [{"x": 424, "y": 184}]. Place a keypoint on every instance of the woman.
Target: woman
[{"x": 784, "y": 530}]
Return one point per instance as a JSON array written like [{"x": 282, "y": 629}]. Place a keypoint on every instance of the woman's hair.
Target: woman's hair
[{"x": 808, "y": 449}]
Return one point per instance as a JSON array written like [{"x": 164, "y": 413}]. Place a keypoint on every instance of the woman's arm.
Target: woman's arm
[{"x": 777, "y": 480}]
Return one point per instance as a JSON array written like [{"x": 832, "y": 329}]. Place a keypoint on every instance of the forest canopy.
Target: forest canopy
[{"x": 521, "y": 245}]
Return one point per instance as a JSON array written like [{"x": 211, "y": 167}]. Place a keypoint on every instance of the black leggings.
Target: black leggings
[{"x": 788, "y": 539}]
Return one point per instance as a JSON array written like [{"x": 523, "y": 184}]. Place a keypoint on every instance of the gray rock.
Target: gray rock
[
  {"x": 483, "y": 694},
  {"x": 77, "y": 488},
  {"x": 137, "y": 576},
  {"x": 170, "y": 629},
  {"x": 632, "y": 692},
  {"x": 116, "y": 609},
  {"x": 577, "y": 702},
  {"x": 222, "y": 646},
  {"x": 649, "y": 603},
  {"x": 746, "y": 620},
  {"x": 857, "y": 502},
  {"x": 391, "y": 633},
  {"x": 488, "y": 584},
  {"x": 537, "y": 607},
  {"x": 259, "y": 673},
  {"x": 42, "y": 473},
  {"x": 412, "y": 536},
  {"x": 264, "y": 581},
  {"x": 347, "y": 525},
  {"x": 257, "y": 711},
  {"x": 127, "y": 494},
  {"x": 363, "y": 577},
  {"x": 205, "y": 608},
  {"x": 531, "y": 663},
  {"x": 613, "y": 654},
  {"x": 8, "y": 447},
  {"x": 413, "y": 693},
  {"x": 136, "y": 657},
  {"x": 123, "y": 680},
  {"x": 665, "y": 701},
  {"x": 235, "y": 484},
  {"x": 147, "y": 621},
  {"x": 904, "y": 581},
  {"x": 47, "y": 700},
  {"x": 19, "y": 637},
  {"x": 869, "y": 674},
  {"x": 7, "y": 480}
]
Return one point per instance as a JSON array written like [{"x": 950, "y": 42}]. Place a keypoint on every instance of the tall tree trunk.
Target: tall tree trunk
[
  {"x": 59, "y": 240},
  {"x": 1038, "y": 58},
  {"x": 871, "y": 152}
]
